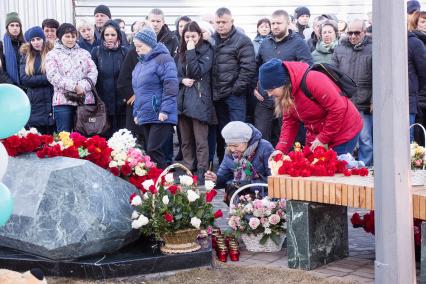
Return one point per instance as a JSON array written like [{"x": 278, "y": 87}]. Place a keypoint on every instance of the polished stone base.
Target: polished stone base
[
  {"x": 317, "y": 234},
  {"x": 423, "y": 255},
  {"x": 135, "y": 259}
]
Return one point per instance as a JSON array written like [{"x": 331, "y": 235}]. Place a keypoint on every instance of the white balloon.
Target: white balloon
[{"x": 4, "y": 158}]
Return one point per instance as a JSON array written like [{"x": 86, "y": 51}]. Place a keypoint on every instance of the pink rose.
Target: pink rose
[
  {"x": 254, "y": 223},
  {"x": 257, "y": 204},
  {"x": 274, "y": 219},
  {"x": 419, "y": 163}
]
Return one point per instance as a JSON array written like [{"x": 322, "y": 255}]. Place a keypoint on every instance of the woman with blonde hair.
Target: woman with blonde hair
[
  {"x": 86, "y": 33},
  {"x": 33, "y": 77},
  {"x": 329, "y": 117}
]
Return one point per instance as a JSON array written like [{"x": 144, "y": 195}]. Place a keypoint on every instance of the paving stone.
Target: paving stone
[
  {"x": 337, "y": 267},
  {"x": 268, "y": 257},
  {"x": 330, "y": 272},
  {"x": 358, "y": 279}
]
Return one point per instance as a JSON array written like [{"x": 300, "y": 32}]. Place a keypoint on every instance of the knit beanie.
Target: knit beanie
[
  {"x": 12, "y": 17},
  {"x": 300, "y": 11},
  {"x": 147, "y": 36},
  {"x": 237, "y": 132},
  {"x": 34, "y": 32},
  {"x": 65, "y": 28},
  {"x": 413, "y": 6},
  {"x": 103, "y": 9},
  {"x": 273, "y": 74}
]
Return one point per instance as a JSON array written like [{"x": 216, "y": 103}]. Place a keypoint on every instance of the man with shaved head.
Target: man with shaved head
[{"x": 354, "y": 57}]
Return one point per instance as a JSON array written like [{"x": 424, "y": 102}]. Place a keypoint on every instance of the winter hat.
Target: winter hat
[
  {"x": 413, "y": 6},
  {"x": 12, "y": 17},
  {"x": 147, "y": 36},
  {"x": 65, "y": 28},
  {"x": 34, "y": 32},
  {"x": 206, "y": 26},
  {"x": 103, "y": 9},
  {"x": 237, "y": 132},
  {"x": 300, "y": 11},
  {"x": 273, "y": 74}
]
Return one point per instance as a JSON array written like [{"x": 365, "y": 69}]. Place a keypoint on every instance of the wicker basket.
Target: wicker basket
[
  {"x": 252, "y": 243},
  {"x": 181, "y": 241}
]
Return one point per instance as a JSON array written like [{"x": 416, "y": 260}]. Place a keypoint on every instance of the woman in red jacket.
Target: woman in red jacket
[{"x": 329, "y": 118}]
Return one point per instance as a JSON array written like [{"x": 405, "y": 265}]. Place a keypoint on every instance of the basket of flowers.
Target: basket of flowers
[
  {"x": 261, "y": 223},
  {"x": 418, "y": 161},
  {"x": 174, "y": 212}
]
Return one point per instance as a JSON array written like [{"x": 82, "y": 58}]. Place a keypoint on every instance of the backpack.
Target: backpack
[{"x": 343, "y": 81}]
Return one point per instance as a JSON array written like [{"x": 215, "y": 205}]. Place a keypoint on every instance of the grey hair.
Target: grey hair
[
  {"x": 157, "y": 12},
  {"x": 223, "y": 11}
]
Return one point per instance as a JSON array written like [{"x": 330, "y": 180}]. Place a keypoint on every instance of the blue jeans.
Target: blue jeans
[
  {"x": 64, "y": 117},
  {"x": 347, "y": 147},
  {"x": 412, "y": 121},
  {"x": 365, "y": 141}
]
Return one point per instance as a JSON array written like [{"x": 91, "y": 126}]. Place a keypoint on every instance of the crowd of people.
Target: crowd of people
[{"x": 225, "y": 94}]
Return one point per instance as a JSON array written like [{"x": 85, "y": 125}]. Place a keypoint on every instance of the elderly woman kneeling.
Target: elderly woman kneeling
[{"x": 245, "y": 161}]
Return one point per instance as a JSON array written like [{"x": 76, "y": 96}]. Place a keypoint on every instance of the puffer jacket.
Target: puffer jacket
[
  {"x": 324, "y": 54},
  {"x": 356, "y": 61},
  {"x": 422, "y": 93},
  {"x": 416, "y": 69},
  {"x": 196, "y": 101},
  {"x": 169, "y": 39},
  {"x": 108, "y": 63},
  {"x": 156, "y": 86},
  {"x": 67, "y": 67},
  {"x": 234, "y": 65},
  {"x": 330, "y": 117},
  {"x": 39, "y": 91},
  {"x": 4, "y": 77},
  {"x": 264, "y": 150}
]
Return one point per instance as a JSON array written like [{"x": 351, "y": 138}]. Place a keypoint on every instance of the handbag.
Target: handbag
[{"x": 91, "y": 119}]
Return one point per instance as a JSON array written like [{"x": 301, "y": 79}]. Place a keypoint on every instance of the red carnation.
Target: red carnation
[
  {"x": 278, "y": 157},
  {"x": 152, "y": 189},
  {"x": 195, "y": 180},
  {"x": 210, "y": 195},
  {"x": 132, "y": 196},
  {"x": 168, "y": 217},
  {"x": 115, "y": 171},
  {"x": 126, "y": 170},
  {"x": 173, "y": 189},
  {"x": 347, "y": 172},
  {"x": 218, "y": 214}
]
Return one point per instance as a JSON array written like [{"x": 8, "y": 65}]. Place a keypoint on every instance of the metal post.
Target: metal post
[{"x": 393, "y": 201}]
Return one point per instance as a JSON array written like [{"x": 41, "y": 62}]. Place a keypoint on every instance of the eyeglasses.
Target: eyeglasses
[{"x": 355, "y": 33}]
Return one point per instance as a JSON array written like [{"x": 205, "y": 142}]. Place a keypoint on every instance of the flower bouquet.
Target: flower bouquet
[
  {"x": 261, "y": 223},
  {"x": 418, "y": 163},
  {"x": 174, "y": 212}
]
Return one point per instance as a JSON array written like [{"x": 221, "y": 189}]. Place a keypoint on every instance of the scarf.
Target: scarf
[
  {"x": 141, "y": 58},
  {"x": 10, "y": 58},
  {"x": 244, "y": 170},
  {"x": 113, "y": 45}
]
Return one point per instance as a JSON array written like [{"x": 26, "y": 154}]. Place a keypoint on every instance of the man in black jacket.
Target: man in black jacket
[
  {"x": 284, "y": 44},
  {"x": 233, "y": 71},
  {"x": 164, "y": 34}
]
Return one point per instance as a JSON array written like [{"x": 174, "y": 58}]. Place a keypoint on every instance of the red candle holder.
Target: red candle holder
[
  {"x": 222, "y": 255},
  {"x": 234, "y": 255}
]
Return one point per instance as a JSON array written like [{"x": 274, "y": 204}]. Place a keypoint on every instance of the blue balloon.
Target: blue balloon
[
  {"x": 6, "y": 204},
  {"x": 15, "y": 110}
]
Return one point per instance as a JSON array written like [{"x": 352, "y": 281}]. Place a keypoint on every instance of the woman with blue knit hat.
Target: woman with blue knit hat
[
  {"x": 329, "y": 118},
  {"x": 33, "y": 77},
  {"x": 156, "y": 86},
  {"x": 13, "y": 39}
]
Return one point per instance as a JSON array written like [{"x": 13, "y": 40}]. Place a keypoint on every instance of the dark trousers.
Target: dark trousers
[
  {"x": 64, "y": 117},
  {"x": 266, "y": 122},
  {"x": 194, "y": 135},
  {"x": 168, "y": 147},
  {"x": 155, "y": 137},
  {"x": 212, "y": 143},
  {"x": 116, "y": 122},
  {"x": 136, "y": 130},
  {"x": 232, "y": 108}
]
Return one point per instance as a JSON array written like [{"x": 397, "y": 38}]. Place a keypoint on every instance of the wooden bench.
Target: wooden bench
[{"x": 317, "y": 214}]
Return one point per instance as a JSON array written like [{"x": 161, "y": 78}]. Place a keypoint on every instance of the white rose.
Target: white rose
[
  {"x": 120, "y": 162},
  {"x": 113, "y": 164},
  {"x": 195, "y": 222},
  {"x": 169, "y": 178},
  {"x": 192, "y": 195},
  {"x": 136, "y": 224},
  {"x": 146, "y": 184},
  {"x": 209, "y": 185},
  {"x": 141, "y": 221},
  {"x": 186, "y": 180},
  {"x": 268, "y": 231},
  {"x": 136, "y": 201},
  {"x": 135, "y": 215},
  {"x": 165, "y": 199},
  {"x": 140, "y": 172}
]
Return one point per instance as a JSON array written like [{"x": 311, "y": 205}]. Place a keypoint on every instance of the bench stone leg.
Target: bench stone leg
[
  {"x": 317, "y": 234},
  {"x": 423, "y": 255}
]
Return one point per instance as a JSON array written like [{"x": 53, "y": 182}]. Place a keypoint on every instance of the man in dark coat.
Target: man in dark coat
[
  {"x": 284, "y": 44},
  {"x": 233, "y": 71},
  {"x": 164, "y": 34},
  {"x": 102, "y": 14},
  {"x": 353, "y": 56}
]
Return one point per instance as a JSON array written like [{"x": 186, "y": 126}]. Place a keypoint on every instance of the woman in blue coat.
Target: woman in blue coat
[
  {"x": 195, "y": 104},
  {"x": 33, "y": 77},
  {"x": 109, "y": 58},
  {"x": 155, "y": 85}
]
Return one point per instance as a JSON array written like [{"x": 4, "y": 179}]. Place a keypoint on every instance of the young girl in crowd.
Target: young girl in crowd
[
  {"x": 33, "y": 77},
  {"x": 13, "y": 39},
  {"x": 195, "y": 103},
  {"x": 68, "y": 68}
]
